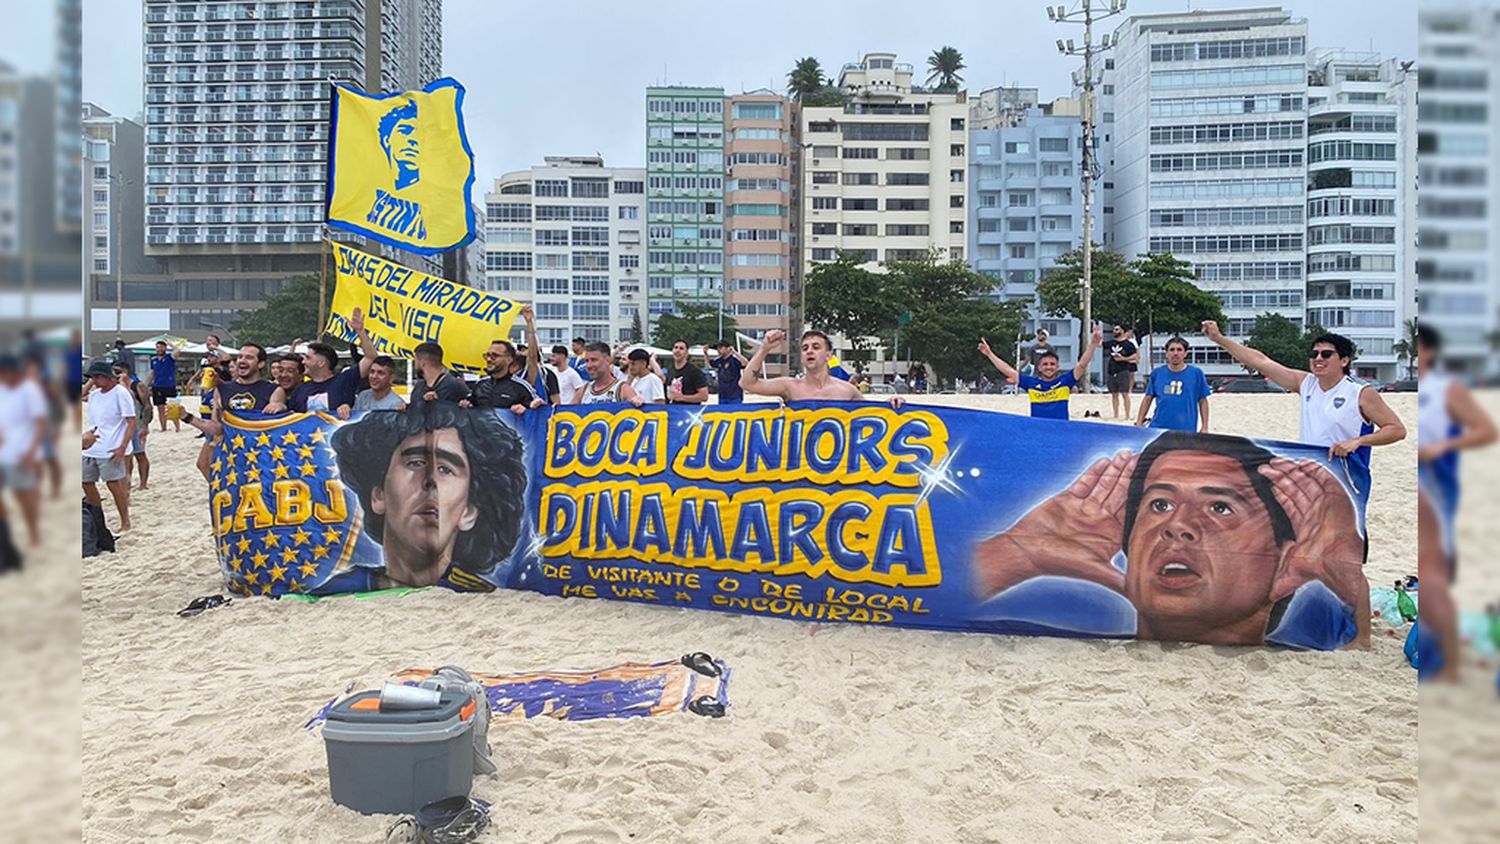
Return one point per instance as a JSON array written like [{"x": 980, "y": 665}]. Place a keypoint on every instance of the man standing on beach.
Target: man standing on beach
[
  {"x": 569, "y": 382},
  {"x": 111, "y": 411},
  {"x": 1049, "y": 391},
  {"x": 326, "y": 389},
  {"x": 23, "y": 419},
  {"x": 1119, "y": 369},
  {"x": 685, "y": 382},
  {"x": 606, "y": 384},
  {"x": 247, "y": 391},
  {"x": 816, "y": 383},
  {"x": 1041, "y": 347},
  {"x": 379, "y": 395},
  {"x": 1180, "y": 392},
  {"x": 162, "y": 380},
  {"x": 643, "y": 382},
  {"x": 1339, "y": 412},
  {"x": 728, "y": 363}
]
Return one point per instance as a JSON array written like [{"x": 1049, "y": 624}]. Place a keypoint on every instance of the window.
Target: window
[
  {"x": 1053, "y": 144},
  {"x": 757, "y": 134},
  {"x": 956, "y": 150},
  {"x": 590, "y": 285},
  {"x": 864, "y": 204},
  {"x": 549, "y": 237},
  {"x": 897, "y": 204},
  {"x": 906, "y": 178},
  {"x": 821, "y": 229},
  {"x": 629, "y": 261},
  {"x": 552, "y": 310},
  {"x": 956, "y": 201},
  {"x": 551, "y": 187},
  {"x": 1171, "y": 162},
  {"x": 756, "y": 111},
  {"x": 860, "y": 230},
  {"x": 861, "y": 152},
  {"x": 590, "y": 188},
  {"x": 906, "y": 230},
  {"x": 1226, "y": 133},
  {"x": 590, "y": 236},
  {"x": 885, "y": 131},
  {"x": 508, "y": 261},
  {"x": 1227, "y": 216},
  {"x": 1241, "y": 48},
  {"x": 906, "y": 154},
  {"x": 1021, "y": 250},
  {"x": 982, "y": 150},
  {"x": 825, "y": 203},
  {"x": 552, "y": 287},
  {"x": 1020, "y": 224},
  {"x": 630, "y": 187},
  {"x": 1227, "y": 76},
  {"x": 956, "y": 227},
  {"x": 1018, "y": 199},
  {"x": 1228, "y": 243},
  {"x": 508, "y": 212},
  {"x": 1018, "y": 147},
  {"x": 629, "y": 212},
  {"x": 1251, "y": 104},
  {"x": 955, "y": 175}
]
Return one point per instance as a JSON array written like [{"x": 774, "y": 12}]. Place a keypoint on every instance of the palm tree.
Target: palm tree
[
  {"x": 806, "y": 78},
  {"x": 1406, "y": 347},
  {"x": 944, "y": 66}
]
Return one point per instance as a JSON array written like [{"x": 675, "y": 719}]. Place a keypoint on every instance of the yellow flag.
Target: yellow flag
[
  {"x": 400, "y": 169},
  {"x": 404, "y": 307}
]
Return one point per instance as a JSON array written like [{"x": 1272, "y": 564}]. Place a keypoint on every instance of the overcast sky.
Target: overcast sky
[{"x": 568, "y": 77}]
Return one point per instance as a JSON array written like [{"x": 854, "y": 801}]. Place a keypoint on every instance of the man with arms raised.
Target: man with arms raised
[
  {"x": 1048, "y": 390},
  {"x": 816, "y": 383},
  {"x": 246, "y": 391},
  {"x": 379, "y": 395},
  {"x": 507, "y": 386},
  {"x": 325, "y": 389},
  {"x": 1337, "y": 411}
]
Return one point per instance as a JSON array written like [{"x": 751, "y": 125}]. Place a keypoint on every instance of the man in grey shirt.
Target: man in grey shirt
[{"x": 379, "y": 395}]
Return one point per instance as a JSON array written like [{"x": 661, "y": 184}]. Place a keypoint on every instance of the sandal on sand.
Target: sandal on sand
[
  {"x": 452, "y": 820},
  {"x": 702, "y": 663},
  {"x": 198, "y": 605}
]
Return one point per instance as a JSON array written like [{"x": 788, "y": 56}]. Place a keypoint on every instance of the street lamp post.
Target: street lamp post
[{"x": 1086, "y": 12}]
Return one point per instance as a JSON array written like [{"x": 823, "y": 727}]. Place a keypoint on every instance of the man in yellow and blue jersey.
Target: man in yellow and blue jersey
[{"x": 1049, "y": 389}]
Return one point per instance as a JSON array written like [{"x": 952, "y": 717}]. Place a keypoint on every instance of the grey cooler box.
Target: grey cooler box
[{"x": 396, "y": 761}]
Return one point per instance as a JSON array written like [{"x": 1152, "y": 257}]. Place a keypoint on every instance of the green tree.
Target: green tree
[
  {"x": 636, "y": 334},
  {"x": 943, "y": 67},
  {"x": 1154, "y": 293},
  {"x": 695, "y": 323},
  {"x": 289, "y": 313},
  {"x": 947, "y": 314},
  {"x": 805, "y": 79},
  {"x": 1280, "y": 339},
  {"x": 844, "y": 298},
  {"x": 1406, "y": 347}
]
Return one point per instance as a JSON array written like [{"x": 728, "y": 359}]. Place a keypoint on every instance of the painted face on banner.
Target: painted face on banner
[
  {"x": 425, "y": 501},
  {"x": 1202, "y": 547}
]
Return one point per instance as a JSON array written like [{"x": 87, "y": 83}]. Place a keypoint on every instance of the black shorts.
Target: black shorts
[
  {"x": 159, "y": 396},
  {"x": 75, "y": 393},
  {"x": 1120, "y": 382}
]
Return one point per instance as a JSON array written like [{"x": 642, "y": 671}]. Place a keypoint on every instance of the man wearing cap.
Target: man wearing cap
[
  {"x": 1042, "y": 346},
  {"x": 111, "y": 412},
  {"x": 23, "y": 419},
  {"x": 728, "y": 364}
]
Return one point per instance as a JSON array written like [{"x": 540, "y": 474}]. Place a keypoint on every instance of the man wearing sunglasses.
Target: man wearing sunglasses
[{"x": 1337, "y": 411}]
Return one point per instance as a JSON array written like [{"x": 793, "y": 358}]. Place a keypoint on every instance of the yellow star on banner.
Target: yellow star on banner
[
  {"x": 251, "y": 578},
  {"x": 277, "y": 573},
  {"x": 320, "y": 551},
  {"x": 215, "y": 483},
  {"x": 295, "y": 587},
  {"x": 223, "y": 549},
  {"x": 288, "y": 555},
  {"x": 265, "y": 588},
  {"x": 279, "y": 470},
  {"x": 252, "y": 456},
  {"x": 232, "y": 478},
  {"x": 290, "y": 438},
  {"x": 243, "y": 544},
  {"x": 317, "y": 435},
  {"x": 278, "y": 454},
  {"x": 301, "y": 537},
  {"x": 236, "y": 563},
  {"x": 218, "y": 466},
  {"x": 252, "y": 476},
  {"x": 309, "y": 469},
  {"x": 239, "y": 442},
  {"x": 331, "y": 536},
  {"x": 258, "y": 560},
  {"x": 271, "y": 540},
  {"x": 264, "y": 439},
  {"x": 305, "y": 452},
  {"x": 309, "y": 569}
]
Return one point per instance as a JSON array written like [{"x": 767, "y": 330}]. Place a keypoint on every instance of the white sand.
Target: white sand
[{"x": 191, "y": 727}]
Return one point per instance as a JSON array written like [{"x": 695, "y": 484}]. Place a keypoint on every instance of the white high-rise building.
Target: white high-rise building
[
  {"x": 568, "y": 237},
  {"x": 1460, "y": 287},
  {"x": 1361, "y": 215},
  {"x": 237, "y": 111},
  {"x": 1209, "y": 149}
]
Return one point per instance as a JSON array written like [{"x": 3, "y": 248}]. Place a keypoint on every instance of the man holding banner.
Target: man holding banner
[
  {"x": 506, "y": 386},
  {"x": 816, "y": 383}
]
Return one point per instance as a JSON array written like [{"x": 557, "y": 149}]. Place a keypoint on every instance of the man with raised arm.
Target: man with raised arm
[
  {"x": 1048, "y": 390},
  {"x": 816, "y": 383},
  {"x": 1339, "y": 412}
]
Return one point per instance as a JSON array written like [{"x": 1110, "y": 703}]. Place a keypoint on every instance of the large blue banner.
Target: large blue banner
[{"x": 924, "y": 517}]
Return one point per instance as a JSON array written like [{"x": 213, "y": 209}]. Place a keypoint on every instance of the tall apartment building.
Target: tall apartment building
[
  {"x": 39, "y": 248},
  {"x": 1459, "y": 270},
  {"x": 1027, "y": 206},
  {"x": 1361, "y": 220},
  {"x": 1209, "y": 149},
  {"x": 884, "y": 175},
  {"x": 69, "y": 78},
  {"x": 237, "y": 132},
  {"x": 568, "y": 237},
  {"x": 685, "y": 198},
  {"x": 758, "y": 253}
]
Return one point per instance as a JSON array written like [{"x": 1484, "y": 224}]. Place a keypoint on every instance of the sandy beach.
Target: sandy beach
[{"x": 192, "y": 728}]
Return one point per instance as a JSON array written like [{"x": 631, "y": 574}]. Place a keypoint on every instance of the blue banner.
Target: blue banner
[{"x": 929, "y": 517}]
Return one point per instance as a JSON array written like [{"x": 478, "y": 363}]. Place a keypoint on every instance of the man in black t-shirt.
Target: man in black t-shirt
[
  {"x": 1120, "y": 357},
  {"x": 247, "y": 391},
  {"x": 685, "y": 383},
  {"x": 434, "y": 381},
  {"x": 507, "y": 385},
  {"x": 1042, "y": 346}
]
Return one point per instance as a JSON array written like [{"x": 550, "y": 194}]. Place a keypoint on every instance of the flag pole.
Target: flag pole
[{"x": 322, "y": 289}]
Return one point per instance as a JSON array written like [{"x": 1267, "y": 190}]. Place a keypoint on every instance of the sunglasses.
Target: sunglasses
[{"x": 1325, "y": 354}]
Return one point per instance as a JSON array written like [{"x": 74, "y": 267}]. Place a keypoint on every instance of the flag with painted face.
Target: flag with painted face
[{"x": 400, "y": 169}]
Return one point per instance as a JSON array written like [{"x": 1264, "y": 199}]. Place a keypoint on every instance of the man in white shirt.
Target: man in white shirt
[
  {"x": 23, "y": 427},
  {"x": 569, "y": 382},
  {"x": 111, "y": 412},
  {"x": 642, "y": 380}
]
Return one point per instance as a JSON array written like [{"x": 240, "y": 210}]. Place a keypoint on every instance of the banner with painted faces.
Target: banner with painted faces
[{"x": 928, "y": 517}]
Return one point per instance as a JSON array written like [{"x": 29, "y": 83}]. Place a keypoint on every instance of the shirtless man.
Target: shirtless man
[{"x": 816, "y": 384}]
